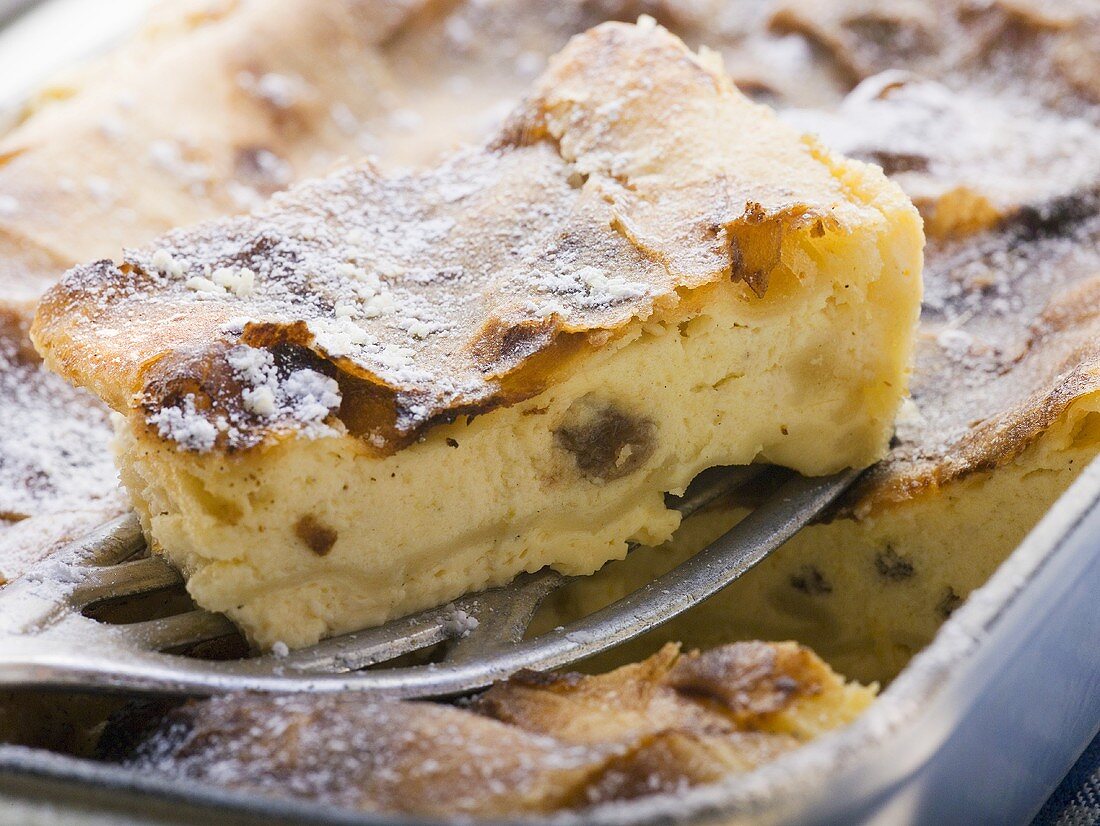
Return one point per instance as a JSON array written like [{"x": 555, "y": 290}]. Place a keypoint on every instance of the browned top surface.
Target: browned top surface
[
  {"x": 532, "y": 744},
  {"x": 207, "y": 110},
  {"x": 634, "y": 170},
  {"x": 213, "y": 106}
]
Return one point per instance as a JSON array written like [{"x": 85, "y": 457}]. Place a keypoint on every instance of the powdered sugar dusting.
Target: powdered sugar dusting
[
  {"x": 57, "y": 477},
  {"x": 184, "y": 425},
  {"x": 458, "y": 623},
  {"x": 53, "y": 445},
  {"x": 269, "y": 391}
]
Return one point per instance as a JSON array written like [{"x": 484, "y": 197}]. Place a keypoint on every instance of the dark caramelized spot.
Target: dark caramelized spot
[
  {"x": 893, "y": 566},
  {"x": 204, "y": 378},
  {"x": 317, "y": 537},
  {"x": 893, "y": 163},
  {"x": 948, "y": 603},
  {"x": 809, "y": 580},
  {"x": 755, "y": 248},
  {"x": 605, "y": 441},
  {"x": 546, "y": 679},
  {"x": 748, "y": 677},
  {"x": 1057, "y": 218},
  {"x": 269, "y": 334},
  {"x": 499, "y": 345}
]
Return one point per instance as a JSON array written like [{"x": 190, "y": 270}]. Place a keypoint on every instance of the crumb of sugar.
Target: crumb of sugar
[
  {"x": 457, "y": 623},
  {"x": 244, "y": 196},
  {"x": 311, "y": 394},
  {"x": 251, "y": 364},
  {"x": 417, "y": 328},
  {"x": 185, "y": 426},
  {"x": 458, "y": 31},
  {"x": 338, "y": 336},
  {"x": 168, "y": 156},
  {"x": 259, "y": 400},
  {"x": 238, "y": 281},
  {"x": 281, "y": 91},
  {"x": 305, "y": 394},
  {"x": 201, "y": 284},
  {"x": 165, "y": 264},
  {"x": 405, "y": 120},
  {"x": 111, "y": 127}
]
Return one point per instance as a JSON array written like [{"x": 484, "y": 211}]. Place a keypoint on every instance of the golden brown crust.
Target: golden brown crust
[
  {"x": 452, "y": 291},
  {"x": 537, "y": 743},
  {"x": 744, "y": 685},
  {"x": 212, "y": 107},
  {"x": 750, "y": 680}
]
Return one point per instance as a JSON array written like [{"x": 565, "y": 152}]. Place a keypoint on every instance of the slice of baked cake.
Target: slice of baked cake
[{"x": 385, "y": 389}]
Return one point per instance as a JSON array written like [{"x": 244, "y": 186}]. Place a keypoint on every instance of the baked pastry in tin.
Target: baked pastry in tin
[{"x": 387, "y": 389}]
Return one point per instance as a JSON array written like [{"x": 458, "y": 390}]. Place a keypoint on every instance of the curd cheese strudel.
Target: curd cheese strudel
[{"x": 385, "y": 389}]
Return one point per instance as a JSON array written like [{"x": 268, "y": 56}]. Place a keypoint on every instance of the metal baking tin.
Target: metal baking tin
[{"x": 979, "y": 727}]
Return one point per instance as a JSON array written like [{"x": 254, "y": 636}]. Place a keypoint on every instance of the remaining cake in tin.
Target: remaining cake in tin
[
  {"x": 533, "y": 744},
  {"x": 386, "y": 389}
]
